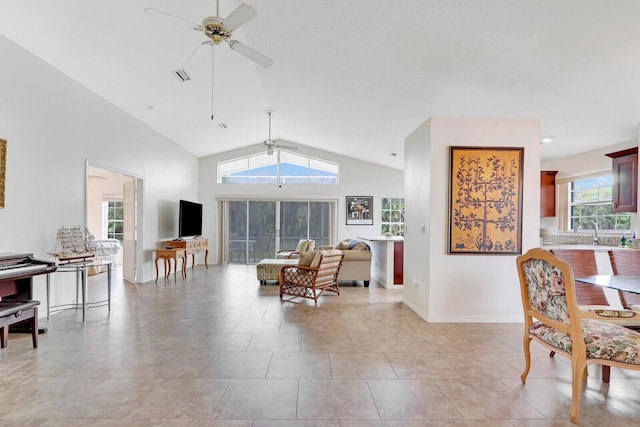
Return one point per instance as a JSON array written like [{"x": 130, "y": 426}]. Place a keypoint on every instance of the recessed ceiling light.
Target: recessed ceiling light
[{"x": 547, "y": 140}]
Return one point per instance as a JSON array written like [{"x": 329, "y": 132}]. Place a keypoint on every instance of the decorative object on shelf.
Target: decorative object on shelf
[
  {"x": 485, "y": 208},
  {"x": 3, "y": 170},
  {"x": 73, "y": 244},
  {"x": 359, "y": 210}
]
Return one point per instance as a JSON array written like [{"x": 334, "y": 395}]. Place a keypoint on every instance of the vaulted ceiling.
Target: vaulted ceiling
[{"x": 352, "y": 77}]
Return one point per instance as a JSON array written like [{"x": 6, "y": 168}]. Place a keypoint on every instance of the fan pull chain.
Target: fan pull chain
[{"x": 212, "y": 68}]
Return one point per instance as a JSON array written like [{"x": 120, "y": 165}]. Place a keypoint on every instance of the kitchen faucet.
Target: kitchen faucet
[{"x": 595, "y": 231}]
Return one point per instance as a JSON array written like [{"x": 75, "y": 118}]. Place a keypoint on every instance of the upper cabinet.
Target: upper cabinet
[
  {"x": 625, "y": 180},
  {"x": 548, "y": 193}
]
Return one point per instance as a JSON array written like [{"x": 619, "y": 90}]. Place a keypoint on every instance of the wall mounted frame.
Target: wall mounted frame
[
  {"x": 359, "y": 210},
  {"x": 485, "y": 194}
]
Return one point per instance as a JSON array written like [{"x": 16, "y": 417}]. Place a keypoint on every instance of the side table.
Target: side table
[
  {"x": 168, "y": 254},
  {"x": 193, "y": 247},
  {"x": 80, "y": 269}
]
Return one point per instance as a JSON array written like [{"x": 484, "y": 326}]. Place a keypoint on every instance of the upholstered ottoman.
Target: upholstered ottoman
[{"x": 269, "y": 269}]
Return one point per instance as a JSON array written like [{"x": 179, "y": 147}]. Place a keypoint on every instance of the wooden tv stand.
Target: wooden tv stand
[{"x": 193, "y": 247}]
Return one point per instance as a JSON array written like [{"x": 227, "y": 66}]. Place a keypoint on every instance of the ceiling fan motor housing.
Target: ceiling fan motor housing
[{"x": 213, "y": 28}]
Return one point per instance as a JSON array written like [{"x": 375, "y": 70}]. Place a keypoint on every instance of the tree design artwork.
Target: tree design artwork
[{"x": 486, "y": 200}]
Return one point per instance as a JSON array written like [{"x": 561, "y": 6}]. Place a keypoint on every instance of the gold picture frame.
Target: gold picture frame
[
  {"x": 485, "y": 209},
  {"x": 3, "y": 170}
]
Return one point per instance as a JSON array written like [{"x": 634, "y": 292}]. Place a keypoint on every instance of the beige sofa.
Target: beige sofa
[{"x": 356, "y": 264}]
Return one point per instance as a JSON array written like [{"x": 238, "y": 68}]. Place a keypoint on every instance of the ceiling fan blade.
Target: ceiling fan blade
[
  {"x": 199, "y": 54},
  {"x": 250, "y": 53},
  {"x": 154, "y": 11},
  {"x": 287, "y": 147},
  {"x": 240, "y": 16}
]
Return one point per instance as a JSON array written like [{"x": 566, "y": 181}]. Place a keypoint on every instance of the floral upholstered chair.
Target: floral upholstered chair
[
  {"x": 315, "y": 273},
  {"x": 548, "y": 296}
]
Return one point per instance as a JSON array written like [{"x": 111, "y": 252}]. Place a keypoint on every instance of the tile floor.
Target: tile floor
[{"x": 218, "y": 349}]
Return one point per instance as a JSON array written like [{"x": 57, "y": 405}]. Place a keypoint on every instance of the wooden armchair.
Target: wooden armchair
[
  {"x": 315, "y": 273},
  {"x": 626, "y": 262},
  {"x": 549, "y": 296}
]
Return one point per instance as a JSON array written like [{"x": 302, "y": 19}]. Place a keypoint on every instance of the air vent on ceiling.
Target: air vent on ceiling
[{"x": 181, "y": 75}]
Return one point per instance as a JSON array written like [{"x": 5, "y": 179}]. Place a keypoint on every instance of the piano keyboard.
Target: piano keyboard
[{"x": 13, "y": 269}]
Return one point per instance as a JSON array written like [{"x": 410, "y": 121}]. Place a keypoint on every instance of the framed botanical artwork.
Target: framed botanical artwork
[
  {"x": 3, "y": 170},
  {"x": 359, "y": 210},
  {"x": 485, "y": 194}
]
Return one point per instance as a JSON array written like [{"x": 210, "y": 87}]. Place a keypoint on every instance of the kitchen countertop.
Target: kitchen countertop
[{"x": 549, "y": 246}]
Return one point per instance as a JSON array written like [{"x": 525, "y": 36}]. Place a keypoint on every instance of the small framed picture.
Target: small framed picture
[{"x": 359, "y": 210}]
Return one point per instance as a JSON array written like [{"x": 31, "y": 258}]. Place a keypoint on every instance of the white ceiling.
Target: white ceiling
[{"x": 354, "y": 77}]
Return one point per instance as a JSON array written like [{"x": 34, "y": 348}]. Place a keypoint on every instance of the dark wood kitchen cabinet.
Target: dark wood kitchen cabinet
[{"x": 625, "y": 180}]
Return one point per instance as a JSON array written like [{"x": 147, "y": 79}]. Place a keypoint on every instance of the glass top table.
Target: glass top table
[
  {"x": 620, "y": 283},
  {"x": 80, "y": 268}
]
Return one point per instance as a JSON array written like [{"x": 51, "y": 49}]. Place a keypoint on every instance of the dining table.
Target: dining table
[{"x": 619, "y": 283}]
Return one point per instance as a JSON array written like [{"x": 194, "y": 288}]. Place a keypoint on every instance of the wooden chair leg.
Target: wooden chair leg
[
  {"x": 4, "y": 336},
  {"x": 606, "y": 373}
]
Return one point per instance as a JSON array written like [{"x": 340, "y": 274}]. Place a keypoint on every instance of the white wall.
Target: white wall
[
  {"x": 357, "y": 178},
  {"x": 462, "y": 288},
  {"x": 53, "y": 125}
]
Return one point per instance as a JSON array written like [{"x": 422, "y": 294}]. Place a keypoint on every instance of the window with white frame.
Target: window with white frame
[
  {"x": 114, "y": 219},
  {"x": 281, "y": 167},
  {"x": 392, "y": 223},
  {"x": 590, "y": 201}
]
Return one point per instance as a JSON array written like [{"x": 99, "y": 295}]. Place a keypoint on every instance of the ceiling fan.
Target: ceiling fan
[
  {"x": 270, "y": 144},
  {"x": 218, "y": 30}
]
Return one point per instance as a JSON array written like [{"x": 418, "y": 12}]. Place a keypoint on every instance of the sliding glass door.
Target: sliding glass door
[
  {"x": 256, "y": 229},
  {"x": 304, "y": 220},
  {"x": 251, "y": 230}
]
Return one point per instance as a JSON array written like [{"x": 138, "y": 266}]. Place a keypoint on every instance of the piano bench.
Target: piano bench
[{"x": 18, "y": 311}]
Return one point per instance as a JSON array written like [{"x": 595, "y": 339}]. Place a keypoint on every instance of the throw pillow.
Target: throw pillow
[
  {"x": 306, "y": 258},
  {"x": 344, "y": 245},
  {"x": 302, "y": 245},
  {"x": 315, "y": 263},
  {"x": 312, "y": 245},
  {"x": 360, "y": 246}
]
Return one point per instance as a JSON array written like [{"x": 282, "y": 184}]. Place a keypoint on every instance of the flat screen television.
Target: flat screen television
[{"x": 190, "y": 220}]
